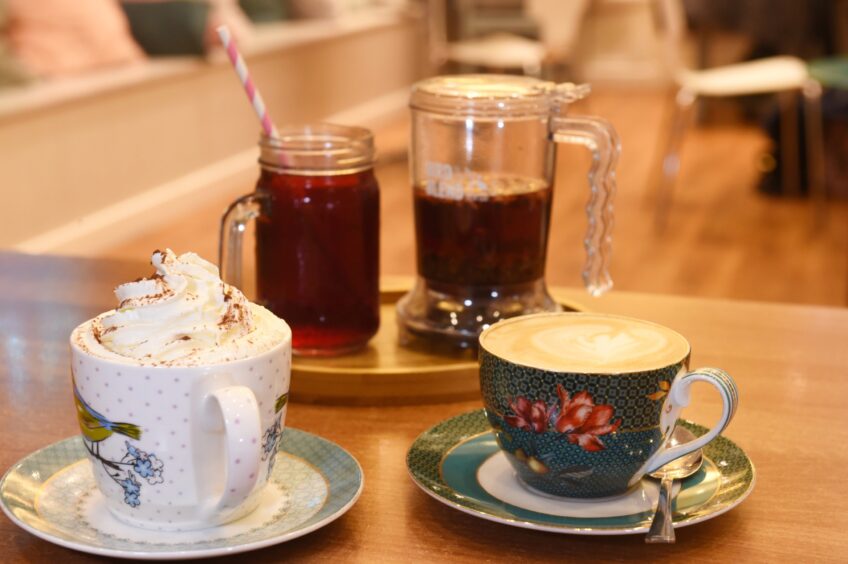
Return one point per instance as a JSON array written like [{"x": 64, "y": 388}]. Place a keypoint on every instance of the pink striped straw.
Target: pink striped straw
[{"x": 244, "y": 76}]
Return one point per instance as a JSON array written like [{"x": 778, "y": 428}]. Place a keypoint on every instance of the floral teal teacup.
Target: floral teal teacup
[{"x": 582, "y": 404}]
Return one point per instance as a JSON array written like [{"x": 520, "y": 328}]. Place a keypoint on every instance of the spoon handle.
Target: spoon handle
[{"x": 662, "y": 531}]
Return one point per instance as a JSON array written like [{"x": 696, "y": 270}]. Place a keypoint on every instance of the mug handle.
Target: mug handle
[
  {"x": 242, "y": 429},
  {"x": 601, "y": 139},
  {"x": 678, "y": 398},
  {"x": 233, "y": 224}
]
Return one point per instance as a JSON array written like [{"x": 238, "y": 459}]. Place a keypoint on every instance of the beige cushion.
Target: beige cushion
[{"x": 56, "y": 37}]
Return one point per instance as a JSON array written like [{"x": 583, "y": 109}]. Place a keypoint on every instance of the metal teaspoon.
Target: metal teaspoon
[{"x": 662, "y": 530}]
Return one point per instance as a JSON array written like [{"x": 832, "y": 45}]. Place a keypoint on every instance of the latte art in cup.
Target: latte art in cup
[
  {"x": 582, "y": 404},
  {"x": 585, "y": 343}
]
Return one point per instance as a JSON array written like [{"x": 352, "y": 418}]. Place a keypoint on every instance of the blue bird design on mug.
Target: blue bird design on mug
[{"x": 96, "y": 427}]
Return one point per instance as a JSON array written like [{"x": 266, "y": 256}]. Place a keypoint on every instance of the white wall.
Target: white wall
[{"x": 97, "y": 149}]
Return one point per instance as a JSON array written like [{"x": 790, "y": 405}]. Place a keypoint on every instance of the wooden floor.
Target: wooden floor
[{"x": 723, "y": 239}]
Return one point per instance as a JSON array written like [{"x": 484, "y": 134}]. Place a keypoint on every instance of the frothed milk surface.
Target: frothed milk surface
[
  {"x": 579, "y": 342},
  {"x": 183, "y": 315}
]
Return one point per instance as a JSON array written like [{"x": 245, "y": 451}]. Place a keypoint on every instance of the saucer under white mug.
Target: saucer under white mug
[
  {"x": 51, "y": 493},
  {"x": 458, "y": 462}
]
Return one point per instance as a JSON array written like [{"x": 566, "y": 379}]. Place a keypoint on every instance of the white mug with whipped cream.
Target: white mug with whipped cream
[{"x": 181, "y": 395}]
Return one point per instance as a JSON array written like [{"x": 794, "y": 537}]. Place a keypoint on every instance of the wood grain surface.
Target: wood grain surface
[{"x": 790, "y": 361}]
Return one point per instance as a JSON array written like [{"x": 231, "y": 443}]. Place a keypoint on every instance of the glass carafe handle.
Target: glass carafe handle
[
  {"x": 599, "y": 136},
  {"x": 230, "y": 243}
]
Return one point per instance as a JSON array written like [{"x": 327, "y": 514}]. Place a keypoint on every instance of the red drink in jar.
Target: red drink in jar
[
  {"x": 317, "y": 257},
  {"x": 317, "y": 209}
]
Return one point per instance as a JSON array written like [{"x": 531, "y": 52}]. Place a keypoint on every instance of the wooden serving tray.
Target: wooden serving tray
[{"x": 384, "y": 373}]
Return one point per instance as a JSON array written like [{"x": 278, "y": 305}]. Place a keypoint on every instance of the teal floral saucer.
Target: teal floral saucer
[
  {"x": 458, "y": 462},
  {"x": 51, "y": 494}
]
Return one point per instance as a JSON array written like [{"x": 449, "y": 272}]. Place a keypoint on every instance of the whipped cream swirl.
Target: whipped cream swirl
[{"x": 184, "y": 314}]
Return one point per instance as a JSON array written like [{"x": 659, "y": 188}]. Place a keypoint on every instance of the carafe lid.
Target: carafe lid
[{"x": 492, "y": 95}]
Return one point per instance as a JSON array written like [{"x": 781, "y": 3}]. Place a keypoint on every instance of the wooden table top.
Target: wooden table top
[{"x": 790, "y": 362}]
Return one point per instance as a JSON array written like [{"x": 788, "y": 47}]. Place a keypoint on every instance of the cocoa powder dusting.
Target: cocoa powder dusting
[
  {"x": 154, "y": 276},
  {"x": 231, "y": 316}
]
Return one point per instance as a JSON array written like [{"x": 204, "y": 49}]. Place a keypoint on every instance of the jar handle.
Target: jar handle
[
  {"x": 599, "y": 136},
  {"x": 230, "y": 243}
]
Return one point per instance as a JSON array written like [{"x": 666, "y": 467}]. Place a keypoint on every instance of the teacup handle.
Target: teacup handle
[
  {"x": 233, "y": 224},
  {"x": 242, "y": 429},
  {"x": 678, "y": 398}
]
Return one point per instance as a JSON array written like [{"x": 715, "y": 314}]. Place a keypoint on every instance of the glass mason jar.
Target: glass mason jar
[
  {"x": 482, "y": 167},
  {"x": 316, "y": 207}
]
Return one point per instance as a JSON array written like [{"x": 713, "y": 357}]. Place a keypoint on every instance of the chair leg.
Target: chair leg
[
  {"x": 669, "y": 165},
  {"x": 814, "y": 131},
  {"x": 790, "y": 165}
]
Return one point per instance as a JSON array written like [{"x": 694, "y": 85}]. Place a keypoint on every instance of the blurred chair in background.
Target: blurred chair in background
[
  {"x": 557, "y": 24},
  {"x": 832, "y": 74},
  {"x": 782, "y": 75}
]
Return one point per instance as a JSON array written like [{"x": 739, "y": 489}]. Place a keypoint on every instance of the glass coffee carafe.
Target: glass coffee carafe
[{"x": 482, "y": 167}]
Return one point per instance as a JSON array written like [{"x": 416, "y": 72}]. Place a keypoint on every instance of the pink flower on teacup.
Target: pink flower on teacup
[
  {"x": 530, "y": 416},
  {"x": 582, "y": 421}
]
